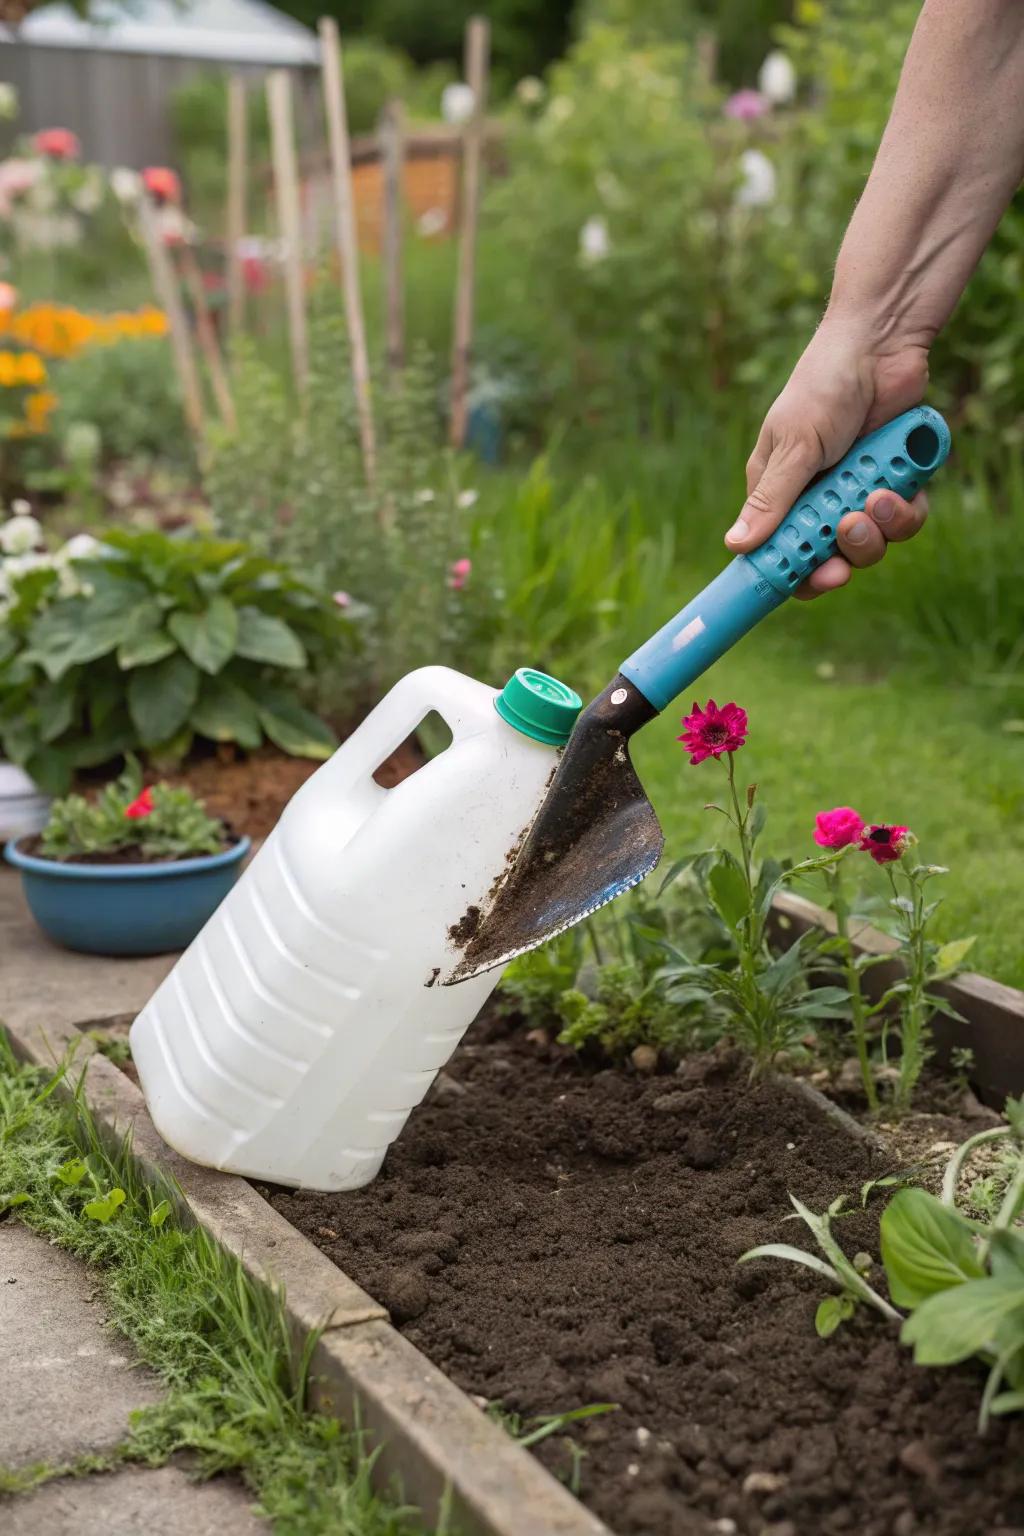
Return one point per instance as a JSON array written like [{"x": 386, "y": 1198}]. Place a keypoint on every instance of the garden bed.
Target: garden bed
[{"x": 554, "y": 1236}]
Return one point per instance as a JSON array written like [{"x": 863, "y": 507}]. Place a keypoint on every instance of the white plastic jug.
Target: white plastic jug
[{"x": 296, "y": 1033}]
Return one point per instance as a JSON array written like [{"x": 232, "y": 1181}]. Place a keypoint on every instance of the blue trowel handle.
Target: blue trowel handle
[{"x": 901, "y": 457}]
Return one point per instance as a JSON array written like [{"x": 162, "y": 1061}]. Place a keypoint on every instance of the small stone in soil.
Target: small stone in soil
[
  {"x": 406, "y": 1295},
  {"x": 916, "y": 1458},
  {"x": 763, "y": 1482},
  {"x": 644, "y": 1058},
  {"x": 447, "y": 1087}
]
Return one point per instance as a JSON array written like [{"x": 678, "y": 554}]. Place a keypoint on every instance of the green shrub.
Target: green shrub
[
  {"x": 129, "y": 393},
  {"x": 163, "y": 823},
  {"x": 159, "y": 640}
]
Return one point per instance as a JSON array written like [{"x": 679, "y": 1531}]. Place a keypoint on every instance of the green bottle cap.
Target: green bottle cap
[{"x": 539, "y": 706}]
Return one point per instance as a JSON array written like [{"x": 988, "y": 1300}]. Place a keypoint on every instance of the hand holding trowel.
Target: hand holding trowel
[{"x": 596, "y": 834}]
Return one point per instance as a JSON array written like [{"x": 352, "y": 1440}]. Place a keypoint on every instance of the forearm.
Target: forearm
[{"x": 950, "y": 160}]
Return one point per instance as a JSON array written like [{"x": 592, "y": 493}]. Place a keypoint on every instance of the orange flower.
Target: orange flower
[{"x": 38, "y": 408}]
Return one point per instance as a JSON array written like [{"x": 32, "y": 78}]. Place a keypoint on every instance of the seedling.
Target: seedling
[{"x": 532, "y": 1431}]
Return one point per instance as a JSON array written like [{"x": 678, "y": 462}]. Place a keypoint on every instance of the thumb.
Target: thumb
[{"x": 786, "y": 474}]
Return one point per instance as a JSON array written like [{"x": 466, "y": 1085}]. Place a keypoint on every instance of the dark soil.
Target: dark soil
[{"x": 554, "y": 1237}]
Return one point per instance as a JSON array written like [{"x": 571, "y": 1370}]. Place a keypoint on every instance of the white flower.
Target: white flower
[
  {"x": 434, "y": 221},
  {"x": 20, "y": 565},
  {"x": 20, "y": 535},
  {"x": 126, "y": 185},
  {"x": 777, "y": 78},
  {"x": 82, "y": 442},
  {"x": 88, "y": 197},
  {"x": 458, "y": 103},
  {"x": 466, "y": 499},
  {"x": 20, "y": 507},
  {"x": 82, "y": 547},
  {"x": 423, "y": 498},
  {"x": 757, "y": 189},
  {"x": 8, "y": 101},
  {"x": 595, "y": 243},
  {"x": 530, "y": 90}
]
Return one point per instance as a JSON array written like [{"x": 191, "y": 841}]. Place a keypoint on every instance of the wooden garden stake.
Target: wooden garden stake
[
  {"x": 478, "y": 34},
  {"x": 236, "y": 211},
  {"x": 168, "y": 296},
  {"x": 289, "y": 217},
  {"x": 345, "y": 228},
  {"x": 392, "y": 142},
  {"x": 206, "y": 334}
]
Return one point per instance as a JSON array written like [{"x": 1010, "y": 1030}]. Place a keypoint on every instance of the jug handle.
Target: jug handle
[{"x": 399, "y": 712}]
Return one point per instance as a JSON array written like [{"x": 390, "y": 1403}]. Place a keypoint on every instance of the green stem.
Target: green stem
[{"x": 853, "y": 984}]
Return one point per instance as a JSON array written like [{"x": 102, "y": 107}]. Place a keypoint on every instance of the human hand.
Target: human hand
[{"x": 844, "y": 385}]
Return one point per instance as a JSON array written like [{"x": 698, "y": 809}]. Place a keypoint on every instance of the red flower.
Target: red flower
[
  {"x": 141, "y": 806},
  {"x": 838, "y": 828},
  {"x": 710, "y": 732},
  {"x": 162, "y": 183},
  {"x": 885, "y": 844},
  {"x": 57, "y": 143},
  {"x": 458, "y": 573}
]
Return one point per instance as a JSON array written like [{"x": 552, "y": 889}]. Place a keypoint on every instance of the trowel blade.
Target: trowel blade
[{"x": 595, "y": 836}]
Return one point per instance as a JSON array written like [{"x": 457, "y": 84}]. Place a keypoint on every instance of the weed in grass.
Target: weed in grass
[{"x": 237, "y": 1388}]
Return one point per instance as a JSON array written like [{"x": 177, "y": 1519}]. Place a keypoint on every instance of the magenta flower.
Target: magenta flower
[
  {"x": 884, "y": 843},
  {"x": 342, "y": 599},
  {"x": 838, "y": 828},
  {"x": 458, "y": 574},
  {"x": 746, "y": 106},
  {"x": 711, "y": 731}
]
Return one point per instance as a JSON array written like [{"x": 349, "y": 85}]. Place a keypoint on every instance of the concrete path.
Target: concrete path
[{"x": 67, "y": 1387}]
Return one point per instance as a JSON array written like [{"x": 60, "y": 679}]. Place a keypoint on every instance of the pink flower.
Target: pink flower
[
  {"x": 745, "y": 106},
  {"x": 162, "y": 184},
  {"x": 141, "y": 806},
  {"x": 57, "y": 144},
  {"x": 884, "y": 843},
  {"x": 710, "y": 732},
  {"x": 342, "y": 599},
  {"x": 838, "y": 828},
  {"x": 458, "y": 575}
]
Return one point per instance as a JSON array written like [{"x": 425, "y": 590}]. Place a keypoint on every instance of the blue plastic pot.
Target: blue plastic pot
[{"x": 126, "y": 909}]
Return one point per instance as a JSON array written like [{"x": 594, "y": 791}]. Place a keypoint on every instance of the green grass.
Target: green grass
[{"x": 236, "y": 1387}]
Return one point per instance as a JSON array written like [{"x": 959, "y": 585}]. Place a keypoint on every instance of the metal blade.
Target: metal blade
[{"x": 595, "y": 836}]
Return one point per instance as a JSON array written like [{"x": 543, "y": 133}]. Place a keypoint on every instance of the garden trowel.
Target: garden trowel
[{"x": 596, "y": 834}]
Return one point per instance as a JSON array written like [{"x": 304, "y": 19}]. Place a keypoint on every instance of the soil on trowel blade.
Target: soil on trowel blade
[{"x": 554, "y": 1237}]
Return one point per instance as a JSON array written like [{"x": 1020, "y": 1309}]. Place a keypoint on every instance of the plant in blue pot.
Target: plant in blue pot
[{"x": 134, "y": 871}]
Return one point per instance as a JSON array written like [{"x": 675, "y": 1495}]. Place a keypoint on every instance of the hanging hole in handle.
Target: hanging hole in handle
[
  {"x": 431, "y": 737},
  {"x": 922, "y": 446}
]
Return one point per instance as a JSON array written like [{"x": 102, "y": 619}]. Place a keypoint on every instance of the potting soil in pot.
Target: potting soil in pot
[{"x": 554, "y": 1238}]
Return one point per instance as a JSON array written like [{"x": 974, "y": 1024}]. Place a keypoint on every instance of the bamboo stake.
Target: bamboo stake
[
  {"x": 289, "y": 217},
  {"x": 392, "y": 142},
  {"x": 345, "y": 233},
  {"x": 238, "y": 155},
  {"x": 478, "y": 35},
  {"x": 206, "y": 334},
  {"x": 168, "y": 296}
]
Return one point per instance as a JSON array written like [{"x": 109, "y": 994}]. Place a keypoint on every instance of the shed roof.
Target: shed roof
[{"x": 232, "y": 31}]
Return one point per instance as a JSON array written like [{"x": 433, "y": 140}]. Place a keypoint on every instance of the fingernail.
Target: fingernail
[
  {"x": 884, "y": 510},
  {"x": 739, "y": 531},
  {"x": 858, "y": 533}
]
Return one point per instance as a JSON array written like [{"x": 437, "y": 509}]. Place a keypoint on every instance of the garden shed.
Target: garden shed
[{"x": 110, "y": 78}]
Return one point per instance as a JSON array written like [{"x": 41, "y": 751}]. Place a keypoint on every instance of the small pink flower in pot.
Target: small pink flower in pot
[
  {"x": 747, "y": 106},
  {"x": 140, "y": 807},
  {"x": 458, "y": 575},
  {"x": 57, "y": 144},
  {"x": 838, "y": 828},
  {"x": 884, "y": 843},
  {"x": 711, "y": 731}
]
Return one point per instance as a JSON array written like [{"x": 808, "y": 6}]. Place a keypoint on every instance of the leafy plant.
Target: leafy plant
[
  {"x": 163, "y": 823},
  {"x": 165, "y": 639},
  {"x": 961, "y": 1280},
  {"x": 128, "y": 394}
]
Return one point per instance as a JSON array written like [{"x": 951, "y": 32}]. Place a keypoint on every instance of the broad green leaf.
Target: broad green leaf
[
  {"x": 727, "y": 888},
  {"x": 162, "y": 697},
  {"x": 1007, "y": 1254},
  {"x": 51, "y": 769},
  {"x": 225, "y": 712},
  {"x": 1008, "y": 1402},
  {"x": 55, "y": 703},
  {"x": 294, "y": 729},
  {"x": 147, "y": 641},
  {"x": 954, "y": 1324},
  {"x": 106, "y": 1206},
  {"x": 832, "y": 1311},
  {"x": 926, "y": 1248},
  {"x": 951, "y": 957},
  {"x": 81, "y": 629},
  {"x": 207, "y": 638},
  {"x": 8, "y": 1202},
  {"x": 262, "y": 637},
  {"x": 72, "y": 1172},
  {"x": 159, "y": 1214}
]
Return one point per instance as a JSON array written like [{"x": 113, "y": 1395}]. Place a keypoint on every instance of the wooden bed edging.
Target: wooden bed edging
[{"x": 993, "y": 1014}]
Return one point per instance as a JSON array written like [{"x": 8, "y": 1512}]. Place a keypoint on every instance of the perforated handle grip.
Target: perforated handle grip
[{"x": 901, "y": 456}]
